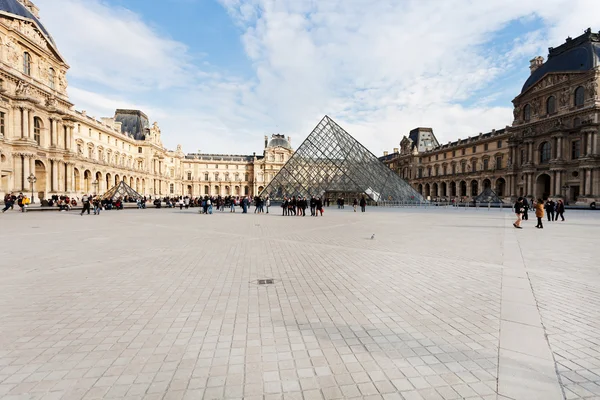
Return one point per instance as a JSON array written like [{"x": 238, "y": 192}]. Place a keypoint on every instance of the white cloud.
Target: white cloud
[{"x": 379, "y": 68}]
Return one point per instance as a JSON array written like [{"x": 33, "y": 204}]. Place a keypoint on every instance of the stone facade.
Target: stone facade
[
  {"x": 550, "y": 150},
  {"x": 72, "y": 153}
]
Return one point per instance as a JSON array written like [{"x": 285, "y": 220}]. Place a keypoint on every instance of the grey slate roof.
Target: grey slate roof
[
  {"x": 575, "y": 55},
  {"x": 134, "y": 123},
  {"x": 16, "y": 8}
]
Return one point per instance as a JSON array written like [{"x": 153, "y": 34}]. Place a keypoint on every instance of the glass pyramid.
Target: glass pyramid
[
  {"x": 488, "y": 196},
  {"x": 332, "y": 163},
  {"x": 120, "y": 191}
]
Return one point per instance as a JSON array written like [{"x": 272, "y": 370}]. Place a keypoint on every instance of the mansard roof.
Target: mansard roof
[
  {"x": 575, "y": 55},
  {"x": 15, "y": 8}
]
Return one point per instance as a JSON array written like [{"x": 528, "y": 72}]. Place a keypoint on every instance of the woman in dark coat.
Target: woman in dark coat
[{"x": 519, "y": 210}]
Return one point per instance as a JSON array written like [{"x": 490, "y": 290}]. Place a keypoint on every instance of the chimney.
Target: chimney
[
  {"x": 385, "y": 153},
  {"x": 395, "y": 149},
  {"x": 266, "y": 141},
  {"x": 535, "y": 63}
]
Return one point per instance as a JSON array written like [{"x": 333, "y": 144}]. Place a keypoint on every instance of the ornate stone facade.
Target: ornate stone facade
[
  {"x": 551, "y": 149},
  {"x": 70, "y": 152}
]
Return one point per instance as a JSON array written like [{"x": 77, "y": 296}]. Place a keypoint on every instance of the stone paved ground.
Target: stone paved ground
[{"x": 163, "y": 304}]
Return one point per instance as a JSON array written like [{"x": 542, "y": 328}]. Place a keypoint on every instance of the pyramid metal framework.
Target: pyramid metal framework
[
  {"x": 120, "y": 191},
  {"x": 332, "y": 161},
  {"x": 488, "y": 196}
]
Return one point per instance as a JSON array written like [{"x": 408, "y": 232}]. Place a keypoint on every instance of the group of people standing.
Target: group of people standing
[
  {"x": 297, "y": 206},
  {"x": 552, "y": 209}
]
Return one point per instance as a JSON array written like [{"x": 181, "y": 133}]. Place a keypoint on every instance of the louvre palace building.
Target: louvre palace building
[
  {"x": 72, "y": 153},
  {"x": 550, "y": 150}
]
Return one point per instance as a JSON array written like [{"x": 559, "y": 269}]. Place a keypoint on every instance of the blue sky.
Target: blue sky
[{"x": 218, "y": 75}]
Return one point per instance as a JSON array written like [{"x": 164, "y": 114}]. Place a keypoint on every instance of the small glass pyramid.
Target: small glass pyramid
[
  {"x": 332, "y": 162},
  {"x": 120, "y": 191}
]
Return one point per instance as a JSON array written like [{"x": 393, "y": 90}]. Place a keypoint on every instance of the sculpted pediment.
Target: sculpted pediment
[
  {"x": 549, "y": 80},
  {"x": 31, "y": 31}
]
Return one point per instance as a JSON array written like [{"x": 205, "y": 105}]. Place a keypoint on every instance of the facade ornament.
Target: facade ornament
[
  {"x": 62, "y": 81},
  {"x": 22, "y": 89},
  {"x": 563, "y": 98},
  {"x": 517, "y": 112},
  {"x": 535, "y": 105},
  {"x": 592, "y": 87},
  {"x": 51, "y": 101},
  {"x": 12, "y": 51}
]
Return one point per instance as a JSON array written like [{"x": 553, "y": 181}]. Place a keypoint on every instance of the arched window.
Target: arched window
[
  {"x": 51, "y": 77},
  {"x": 37, "y": 130},
  {"x": 579, "y": 96},
  {"x": 206, "y": 176},
  {"x": 545, "y": 152},
  {"x": 551, "y": 105},
  {"x": 527, "y": 112},
  {"x": 26, "y": 63}
]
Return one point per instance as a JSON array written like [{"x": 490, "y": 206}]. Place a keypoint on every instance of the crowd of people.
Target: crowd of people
[{"x": 550, "y": 208}]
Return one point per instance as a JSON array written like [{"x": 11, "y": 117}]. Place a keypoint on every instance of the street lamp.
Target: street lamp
[
  {"x": 32, "y": 179},
  {"x": 95, "y": 184}
]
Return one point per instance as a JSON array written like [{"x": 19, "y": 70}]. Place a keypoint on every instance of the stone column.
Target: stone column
[
  {"x": 529, "y": 153},
  {"x": 31, "y": 124},
  {"x": 18, "y": 172},
  {"x": 54, "y": 175},
  {"x": 17, "y": 128},
  {"x": 589, "y": 140},
  {"x": 559, "y": 148},
  {"x": 530, "y": 186},
  {"x": 54, "y": 132},
  {"x": 26, "y": 171},
  {"x": 588, "y": 181},
  {"x": 71, "y": 139},
  {"x": 25, "y": 122},
  {"x": 594, "y": 143}
]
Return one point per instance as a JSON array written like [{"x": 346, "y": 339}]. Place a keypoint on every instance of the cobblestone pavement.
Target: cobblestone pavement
[{"x": 164, "y": 304}]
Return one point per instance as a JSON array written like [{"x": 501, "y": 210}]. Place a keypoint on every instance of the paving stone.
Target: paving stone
[{"x": 155, "y": 303}]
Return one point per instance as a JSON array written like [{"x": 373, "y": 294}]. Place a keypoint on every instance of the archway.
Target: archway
[
  {"x": 427, "y": 190},
  {"x": 452, "y": 189},
  {"x": 40, "y": 184},
  {"x": 189, "y": 190},
  {"x": 260, "y": 189},
  {"x": 108, "y": 181},
  {"x": 98, "y": 180},
  {"x": 420, "y": 189},
  {"x": 131, "y": 181},
  {"x": 487, "y": 183},
  {"x": 500, "y": 185},
  {"x": 137, "y": 185},
  {"x": 87, "y": 178},
  {"x": 77, "y": 184},
  {"x": 434, "y": 190},
  {"x": 443, "y": 189},
  {"x": 463, "y": 188},
  {"x": 474, "y": 188},
  {"x": 117, "y": 180},
  {"x": 543, "y": 185},
  {"x": 143, "y": 187}
]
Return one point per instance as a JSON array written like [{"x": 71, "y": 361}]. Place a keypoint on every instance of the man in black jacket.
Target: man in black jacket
[{"x": 549, "y": 206}]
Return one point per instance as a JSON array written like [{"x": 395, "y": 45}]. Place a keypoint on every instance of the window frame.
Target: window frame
[
  {"x": 37, "y": 130},
  {"x": 551, "y": 105},
  {"x": 545, "y": 151},
  {"x": 27, "y": 63},
  {"x": 527, "y": 113},
  {"x": 576, "y": 145},
  {"x": 579, "y": 96}
]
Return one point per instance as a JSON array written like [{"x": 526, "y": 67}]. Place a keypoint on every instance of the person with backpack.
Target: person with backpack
[{"x": 86, "y": 204}]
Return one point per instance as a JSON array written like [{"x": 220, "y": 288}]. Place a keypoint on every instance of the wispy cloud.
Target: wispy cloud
[{"x": 380, "y": 68}]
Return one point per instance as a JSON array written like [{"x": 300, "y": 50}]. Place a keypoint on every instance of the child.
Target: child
[{"x": 539, "y": 213}]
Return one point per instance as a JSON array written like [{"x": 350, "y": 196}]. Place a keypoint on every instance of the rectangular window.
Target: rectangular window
[
  {"x": 453, "y": 153},
  {"x": 420, "y": 172},
  {"x": 99, "y": 136},
  {"x": 189, "y": 176},
  {"x": 464, "y": 151},
  {"x": 474, "y": 166},
  {"x": 499, "y": 144},
  {"x": 139, "y": 149},
  {"x": 453, "y": 169},
  {"x": 90, "y": 132},
  {"x": 445, "y": 155},
  {"x": 575, "y": 149},
  {"x": 485, "y": 164},
  {"x": 485, "y": 147},
  {"x": 522, "y": 157},
  {"x": 474, "y": 149},
  {"x": 436, "y": 157},
  {"x": 2, "y": 123}
]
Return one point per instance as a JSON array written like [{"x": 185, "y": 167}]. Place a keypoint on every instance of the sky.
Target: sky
[{"x": 219, "y": 75}]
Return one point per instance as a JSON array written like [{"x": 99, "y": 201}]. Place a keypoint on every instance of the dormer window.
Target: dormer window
[
  {"x": 579, "y": 96},
  {"x": 51, "y": 78},
  {"x": 551, "y": 105},
  {"x": 26, "y": 63}
]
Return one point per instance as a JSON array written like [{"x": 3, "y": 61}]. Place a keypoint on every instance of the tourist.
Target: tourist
[
  {"x": 363, "y": 204},
  {"x": 86, "y": 204},
  {"x": 354, "y": 204},
  {"x": 550, "y": 209},
  {"x": 560, "y": 210},
  {"x": 304, "y": 206},
  {"x": 186, "y": 202},
  {"x": 519, "y": 211},
  {"x": 318, "y": 206},
  {"x": 525, "y": 215},
  {"x": 232, "y": 205},
  {"x": 97, "y": 205},
  {"x": 268, "y": 203},
  {"x": 8, "y": 202},
  {"x": 245, "y": 204},
  {"x": 539, "y": 213}
]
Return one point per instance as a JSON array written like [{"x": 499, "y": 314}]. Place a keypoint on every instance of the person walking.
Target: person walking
[
  {"x": 363, "y": 204},
  {"x": 313, "y": 204},
  {"x": 354, "y": 204},
  {"x": 8, "y": 202},
  {"x": 539, "y": 213},
  {"x": 86, "y": 204},
  {"x": 525, "y": 215},
  {"x": 560, "y": 210},
  {"x": 268, "y": 203},
  {"x": 550, "y": 209},
  {"x": 97, "y": 205},
  {"x": 319, "y": 207},
  {"x": 519, "y": 210}
]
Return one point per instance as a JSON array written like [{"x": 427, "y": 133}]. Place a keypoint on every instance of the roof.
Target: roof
[
  {"x": 279, "y": 141},
  {"x": 16, "y": 8},
  {"x": 423, "y": 139},
  {"x": 575, "y": 55},
  {"x": 134, "y": 123}
]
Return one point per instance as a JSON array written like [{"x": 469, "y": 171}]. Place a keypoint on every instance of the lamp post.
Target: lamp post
[
  {"x": 32, "y": 179},
  {"x": 95, "y": 184}
]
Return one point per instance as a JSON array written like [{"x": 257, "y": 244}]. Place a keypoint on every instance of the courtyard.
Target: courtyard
[{"x": 442, "y": 303}]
